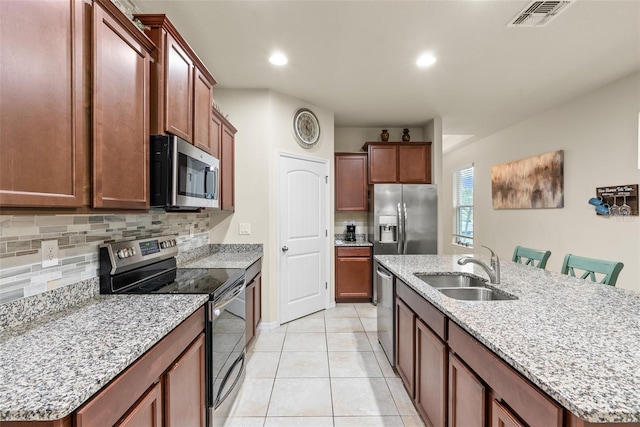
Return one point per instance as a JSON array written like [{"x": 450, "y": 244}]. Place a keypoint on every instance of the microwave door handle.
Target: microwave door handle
[{"x": 216, "y": 184}]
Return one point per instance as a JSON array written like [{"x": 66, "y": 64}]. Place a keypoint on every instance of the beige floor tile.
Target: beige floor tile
[
  {"x": 374, "y": 421},
  {"x": 370, "y": 324},
  {"x": 268, "y": 342},
  {"x": 303, "y": 364},
  {"x": 412, "y": 421},
  {"x": 361, "y": 397},
  {"x": 243, "y": 422},
  {"x": 401, "y": 397},
  {"x": 270, "y": 330},
  {"x": 341, "y": 310},
  {"x": 344, "y": 325},
  {"x": 366, "y": 310},
  {"x": 310, "y": 341},
  {"x": 301, "y": 397},
  {"x": 373, "y": 340},
  {"x": 385, "y": 366},
  {"x": 253, "y": 398},
  {"x": 298, "y": 422},
  {"x": 263, "y": 364},
  {"x": 348, "y": 341},
  {"x": 306, "y": 325},
  {"x": 353, "y": 364}
]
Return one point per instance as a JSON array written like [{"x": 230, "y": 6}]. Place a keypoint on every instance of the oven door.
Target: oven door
[
  {"x": 227, "y": 361},
  {"x": 195, "y": 176}
]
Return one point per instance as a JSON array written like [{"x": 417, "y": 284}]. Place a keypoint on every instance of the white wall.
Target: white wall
[
  {"x": 264, "y": 122},
  {"x": 599, "y": 135}
]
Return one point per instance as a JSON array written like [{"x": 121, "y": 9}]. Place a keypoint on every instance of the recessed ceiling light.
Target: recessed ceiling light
[
  {"x": 278, "y": 59},
  {"x": 426, "y": 60}
]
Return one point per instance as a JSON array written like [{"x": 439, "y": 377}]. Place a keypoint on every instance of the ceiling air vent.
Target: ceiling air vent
[{"x": 539, "y": 13}]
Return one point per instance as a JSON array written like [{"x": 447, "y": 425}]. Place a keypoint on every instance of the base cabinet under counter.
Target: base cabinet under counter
[
  {"x": 353, "y": 274},
  {"x": 455, "y": 381}
]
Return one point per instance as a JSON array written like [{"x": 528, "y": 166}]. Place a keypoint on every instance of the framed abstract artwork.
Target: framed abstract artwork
[{"x": 533, "y": 183}]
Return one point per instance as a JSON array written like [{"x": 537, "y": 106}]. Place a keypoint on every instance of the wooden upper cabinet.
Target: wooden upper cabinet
[
  {"x": 181, "y": 85},
  {"x": 227, "y": 167},
  {"x": 120, "y": 103},
  {"x": 216, "y": 133},
  {"x": 202, "y": 122},
  {"x": 42, "y": 160},
  {"x": 396, "y": 162},
  {"x": 351, "y": 181}
]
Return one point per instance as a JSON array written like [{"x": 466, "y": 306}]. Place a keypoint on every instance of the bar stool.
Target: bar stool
[
  {"x": 590, "y": 266},
  {"x": 528, "y": 256}
]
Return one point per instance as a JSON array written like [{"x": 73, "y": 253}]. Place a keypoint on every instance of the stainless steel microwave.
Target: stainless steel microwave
[{"x": 183, "y": 177}]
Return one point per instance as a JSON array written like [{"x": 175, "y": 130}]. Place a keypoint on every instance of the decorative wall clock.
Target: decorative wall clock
[{"x": 306, "y": 128}]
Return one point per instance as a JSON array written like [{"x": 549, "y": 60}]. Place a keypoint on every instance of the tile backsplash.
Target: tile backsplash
[{"x": 78, "y": 236}]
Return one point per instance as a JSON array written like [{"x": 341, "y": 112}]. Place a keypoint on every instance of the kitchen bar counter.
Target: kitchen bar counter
[
  {"x": 577, "y": 341},
  {"x": 52, "y": 364}
]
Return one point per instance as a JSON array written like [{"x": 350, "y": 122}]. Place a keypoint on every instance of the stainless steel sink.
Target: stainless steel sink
[
  {"x": 475, "y": 294},
  {"x": 463, "y": 287},
  {"x": 451, "y": 280}
]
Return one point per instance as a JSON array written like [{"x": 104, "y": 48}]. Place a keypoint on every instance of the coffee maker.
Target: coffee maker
[{"x": 350, "y": 235}]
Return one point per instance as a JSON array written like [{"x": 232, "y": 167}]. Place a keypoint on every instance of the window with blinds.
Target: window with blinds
[{"x": 463, "y": 206}]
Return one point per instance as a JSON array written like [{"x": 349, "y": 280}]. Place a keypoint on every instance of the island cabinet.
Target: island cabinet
[
  {"x": 181, "y": 86},
  {"x": 351, "y": 181},
  {"x": 353, "y": 274},
  {"x": 41, "y": 108},
  {"x": 253, "y": 300},
  {"x": 399, "y": 163}
]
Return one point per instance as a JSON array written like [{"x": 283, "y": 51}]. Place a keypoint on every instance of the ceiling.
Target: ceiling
[{"x": 357, "y": 58}]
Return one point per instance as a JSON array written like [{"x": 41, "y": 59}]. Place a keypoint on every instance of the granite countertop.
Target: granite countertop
[
  {"x": 361, "y": 240},
  {"x": 52, "y": 365},
  {"x": 224, "y": 256},
  {"x": 576, "y": 340}
]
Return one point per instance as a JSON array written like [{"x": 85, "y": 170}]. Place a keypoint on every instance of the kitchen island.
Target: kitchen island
[{"x": 577, "y": 341}]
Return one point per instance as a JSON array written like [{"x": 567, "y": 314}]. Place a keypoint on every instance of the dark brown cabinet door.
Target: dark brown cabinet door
[
  {"x": 383, "y": 164},
  {"x": 414, "y": 164},
  {"x": 202, "y": 125},
  {"x": 257, "y": 302},
  {"x": 216, "y": 133},
  {"x": 405, "y": 345},
  {"x": 41, "y": 105},
  {"x": 431, "y": 376},
  {"x": 250, "y": 300},
  {"x": 147, "y": 412},
  {"x": 227, "y": 197},
  {"x": 351, "y": 181},
  {"x": 502, "y": 417},
  {"x": 185, "y": 388},
  {"x": 353, "y": 274},
  {"x": 120, "y": 114},
  {"x": 467, "y": 396},
  {"x": 179, "y": 89}
]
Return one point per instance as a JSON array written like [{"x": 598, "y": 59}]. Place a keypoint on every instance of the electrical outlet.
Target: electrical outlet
[
  {"x": 244, "y": 228},
  {"x": 49, "y": 251}
]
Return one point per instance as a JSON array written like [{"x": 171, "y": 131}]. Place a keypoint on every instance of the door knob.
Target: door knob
[{"x": 285, "y": 249}]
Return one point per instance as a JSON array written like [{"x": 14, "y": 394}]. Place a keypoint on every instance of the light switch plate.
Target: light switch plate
[
  {"x": 244, "y": 228},
  {"x": 49, "y": 251}
]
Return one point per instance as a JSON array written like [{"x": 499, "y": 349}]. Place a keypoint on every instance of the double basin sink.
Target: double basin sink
[{"x": 463, "y": 287}]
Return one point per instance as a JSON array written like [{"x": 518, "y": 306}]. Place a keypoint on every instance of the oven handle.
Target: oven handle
[
  {"x": 216, "y": 308},
  {"x": 220, "y": 399}
]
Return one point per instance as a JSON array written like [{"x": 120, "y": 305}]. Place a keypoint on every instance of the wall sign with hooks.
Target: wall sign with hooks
[{"x": 616, "y": 200}]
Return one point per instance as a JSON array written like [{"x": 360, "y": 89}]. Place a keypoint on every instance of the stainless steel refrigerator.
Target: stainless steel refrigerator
[{"x": 403, "y": 219}]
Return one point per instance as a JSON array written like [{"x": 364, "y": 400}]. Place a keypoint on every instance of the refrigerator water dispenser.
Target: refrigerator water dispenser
[{"x": 388, "y": 229}]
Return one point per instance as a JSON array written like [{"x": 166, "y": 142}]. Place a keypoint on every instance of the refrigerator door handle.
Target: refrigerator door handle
[
  {"x": 400, "y": 231},
  {"x": 404, "y": 229}
]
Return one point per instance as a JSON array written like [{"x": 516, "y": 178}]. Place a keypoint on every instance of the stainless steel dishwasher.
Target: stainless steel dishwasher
[{"x": 385, "y": 290}]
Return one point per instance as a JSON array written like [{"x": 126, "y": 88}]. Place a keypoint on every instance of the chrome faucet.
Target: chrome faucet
[{"x": 493, "y": 271}]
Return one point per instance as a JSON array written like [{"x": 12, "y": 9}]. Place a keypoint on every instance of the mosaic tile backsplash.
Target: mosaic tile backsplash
[{"x": 78, "y": 236}]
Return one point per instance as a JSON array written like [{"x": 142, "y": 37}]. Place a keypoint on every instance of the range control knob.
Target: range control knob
[{"x": 120, "y": 253}]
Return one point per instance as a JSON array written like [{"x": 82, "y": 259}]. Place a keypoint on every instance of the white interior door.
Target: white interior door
[{"x": 302, "y": 229}]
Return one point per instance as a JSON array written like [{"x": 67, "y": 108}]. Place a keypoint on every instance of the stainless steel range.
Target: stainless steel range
[{"x": 148, "y": 266}]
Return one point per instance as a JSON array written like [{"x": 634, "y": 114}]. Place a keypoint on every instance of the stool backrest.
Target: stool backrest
[
  {"x": 609, "y": 269},
  {"x": 529, "y": 256}
]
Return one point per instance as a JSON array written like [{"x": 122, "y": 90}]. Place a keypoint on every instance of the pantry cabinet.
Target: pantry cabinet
[
  {"x": 353, "y": 274},
  {"x": 181, "y": 85},
  {"x": 120, "y": 120},
  {"x": 398, "y": 162},
  {"x": 42, "y": 114},
  {"x": 351, "y": 182}
]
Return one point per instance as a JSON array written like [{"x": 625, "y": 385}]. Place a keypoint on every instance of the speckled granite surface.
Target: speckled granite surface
[
  {"x": 221, "y": 256},
  {"x": 361, "y": 240},
  {"x": 53, "y": 364},
  {"x": 576, "y": 340}
]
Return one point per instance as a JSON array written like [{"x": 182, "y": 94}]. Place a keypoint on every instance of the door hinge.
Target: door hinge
[
  {"x": 326, "y": 233},
  {"x": 326, "y": 179},
  {"x": 325, "y": 285}
]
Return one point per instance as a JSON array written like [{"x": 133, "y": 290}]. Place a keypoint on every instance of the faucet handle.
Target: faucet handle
[{"x": 494, "y": 257}]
